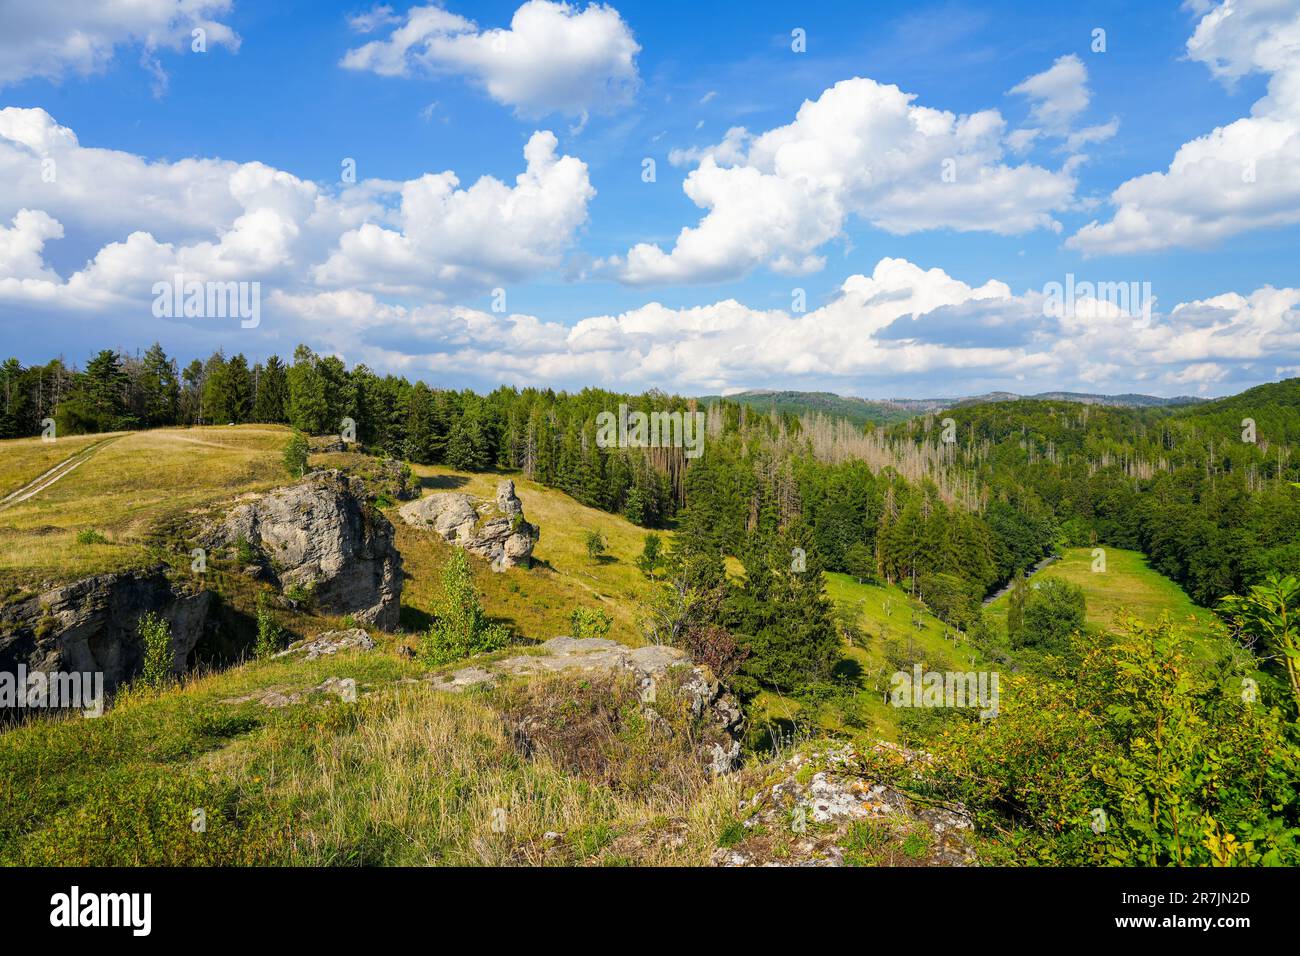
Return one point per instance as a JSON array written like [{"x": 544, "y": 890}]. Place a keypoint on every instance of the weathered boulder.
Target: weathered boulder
[
  {"x": 330, "y": 642},
  {"x": 648, "y": 665},
  {"x": 495, "y": 529},
  {"x": 829, "y": 807},
  {"x": 344, "y": 688},
  {"x": 321, "y": 535},
  {"x": 92, "y": 625}
]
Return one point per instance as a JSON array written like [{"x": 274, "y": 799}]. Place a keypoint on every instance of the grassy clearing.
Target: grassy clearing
[
  {"x": 1128, "y": 585},
  {"x": 124, "y": 492},
  {"x": 896, "y": 633},
  {"x": 535, "y": 603}
]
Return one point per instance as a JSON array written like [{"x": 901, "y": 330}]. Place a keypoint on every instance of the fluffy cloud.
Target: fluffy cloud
[
  {"x": 1239, "y": 177},
  {"x": 901, "y": 328},
  {"x": 861, "y": 149},
  {"x": 554, "y": 58},
  {"x": 54, "y": 37},
  {"x": 449, "y": 238},
  {"x": 216, "y": 220},
  {"x": 1058, "y": 94}
]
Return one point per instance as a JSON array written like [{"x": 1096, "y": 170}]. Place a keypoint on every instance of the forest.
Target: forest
[{"x": 952, "y": 506}]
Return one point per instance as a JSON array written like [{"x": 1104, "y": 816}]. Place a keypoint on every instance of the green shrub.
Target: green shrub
[
  {"x": 587, "y": 622},
  {"x": 1054, "y": 610},
  {"x": 270, "y": 636},
  {"x": 156, "y": 634},
  {"x": 652, "y": 557},
  {"x": 460, "y": 628},
  {"x": 1144, "y": 744},
  {"x": 295, "y": 455},
  {"x": 245, "y": 553},
  {"x": 90, "y": 536}
]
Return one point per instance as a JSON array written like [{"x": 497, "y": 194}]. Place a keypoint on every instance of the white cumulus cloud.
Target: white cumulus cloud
[
  {"x": 554, "y": 57},
  {"x": 52, "y": 38},
  {"x": 1238, "y": 177},
  {"x": 861, "y": 149}
]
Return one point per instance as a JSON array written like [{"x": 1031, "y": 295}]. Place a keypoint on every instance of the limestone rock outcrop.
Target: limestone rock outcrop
[
  {"x": 91, "y": 625},
  {"x": 495, "y": 529},
  {"x": 648, "y": 666},
  {"x": 330, "y": 642},
  {"x": 320, "y": 535}
]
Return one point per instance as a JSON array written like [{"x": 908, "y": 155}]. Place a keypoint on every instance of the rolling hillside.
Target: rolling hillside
[{"x": 1128, "y": 584}]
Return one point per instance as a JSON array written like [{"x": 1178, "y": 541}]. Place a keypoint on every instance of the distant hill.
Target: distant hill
[
  {"x": 857, "y": 410},
  {"x": 888, "y": 411}
]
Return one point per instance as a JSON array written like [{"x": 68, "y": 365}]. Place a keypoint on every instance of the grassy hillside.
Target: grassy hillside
[
  {"x": 404, "y": 775},
  {"x": 895, "y": 633},
  {"x": 1128, "y": 584},
  {"x": 535, "y": 603},
  {"x": 129, "y": 486},
  {"x": 22, "y": 460}
]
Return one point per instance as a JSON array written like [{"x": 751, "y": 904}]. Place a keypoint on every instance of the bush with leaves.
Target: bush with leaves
[
  {"x": 1053, "y": 611},
  {"x": 1147, "y": 757},
  {"x": 460, "y": 628},
  {"x": 587, "y": 622},
  {"x": 295, "y": 455},
  {"x": 595, "y": 545},
  {"x": 651, "y": 558},
  {"x": 1269, "y": 615},
  {"x": 270, "y": 636},
  {"x": 156, "y": 635}
]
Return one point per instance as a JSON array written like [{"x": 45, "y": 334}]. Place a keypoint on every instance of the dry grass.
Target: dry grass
[
  {"x": 125, "y": 490},
  {"x": 405, "y": 775},
  {"x": 415, "y": 777},
  {"x": 22, "y": 460}
]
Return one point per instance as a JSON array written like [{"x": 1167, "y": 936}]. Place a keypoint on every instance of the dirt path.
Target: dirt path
[
  {"x": 61, "y": 470},
  {"x": 1032, "y": 571}
]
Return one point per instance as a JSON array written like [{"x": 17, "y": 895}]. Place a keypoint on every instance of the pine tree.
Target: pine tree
[
  {"x": 159, "y": 389},
  {"x": 239, "y": 389},
  {"x": 271, "y": 402},
  {"x": 308, "y": 406}
]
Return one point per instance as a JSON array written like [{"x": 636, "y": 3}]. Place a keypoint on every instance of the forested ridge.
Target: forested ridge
[{"x": 978, "y": 493}]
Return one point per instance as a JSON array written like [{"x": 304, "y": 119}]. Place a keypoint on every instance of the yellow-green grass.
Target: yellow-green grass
[
  {"x": 536, "y": 602},
  {"x": 1128, "y": 586},
  {"x": 405, "y": 775},
  {"x": 125, "y": 489},
  {"x": 890, "y": 641},
  {"x": 23, "y": 460}
]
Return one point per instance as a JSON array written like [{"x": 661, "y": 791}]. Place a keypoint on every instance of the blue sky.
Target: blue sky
[{"x": 225, "y": 165}]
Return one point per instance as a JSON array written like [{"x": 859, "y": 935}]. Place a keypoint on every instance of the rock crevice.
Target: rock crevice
[{"x": 92, "y": 625}]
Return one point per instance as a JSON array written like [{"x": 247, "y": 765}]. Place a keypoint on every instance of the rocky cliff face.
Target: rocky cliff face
[
  {"x": 91, "y": 625},
  {"x": 495, "y": 529},
  {"x": 319, "y": 534}
]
